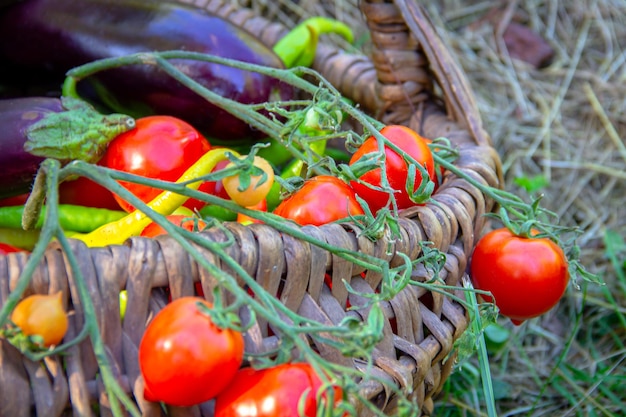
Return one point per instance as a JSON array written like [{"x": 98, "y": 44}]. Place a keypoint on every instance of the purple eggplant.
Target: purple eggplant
[
  {"x": 65, "y": 129},
  {"x": 48, "y": 37},
  {"x": 18, "y": 166}
]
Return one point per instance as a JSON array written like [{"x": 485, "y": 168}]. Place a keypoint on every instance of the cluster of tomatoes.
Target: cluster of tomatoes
[
  {"x": 185, "y": 359},
  {"x": 164, "y": 147}
]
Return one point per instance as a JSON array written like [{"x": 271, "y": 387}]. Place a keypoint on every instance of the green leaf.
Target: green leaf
[
  {"x": 532, "y": 184},
  {"x": 496, "y": 336}
]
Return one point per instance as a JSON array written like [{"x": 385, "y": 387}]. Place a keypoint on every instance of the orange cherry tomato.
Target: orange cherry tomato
[{"x": 42, "y": 315}]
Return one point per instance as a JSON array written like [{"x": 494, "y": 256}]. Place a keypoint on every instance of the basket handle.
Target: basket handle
[{"x": 459, "y": 97}]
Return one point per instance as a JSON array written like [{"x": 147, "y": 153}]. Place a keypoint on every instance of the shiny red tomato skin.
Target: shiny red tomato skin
[
  {"x": 245, "y": 219},
  {"x": 527, "y": 276},
  {"x": 84, "y": 192},
  {"x": 6, "y": 248},
  {"x": 17, "y": 200},
  {"x": 216, "y": 187},
  {"x": 160, "y": 147},
  {"x": 321, "y": 200},
  {"x": 396, "y": 167},
  {"x": 271, "y": 392},
  {"x": 184, "y": 358}
]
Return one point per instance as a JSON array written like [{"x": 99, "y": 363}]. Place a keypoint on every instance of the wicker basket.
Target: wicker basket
[{"x": 411, "y": 80}]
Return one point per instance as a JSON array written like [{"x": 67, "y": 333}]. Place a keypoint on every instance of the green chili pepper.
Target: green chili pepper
[
  {"x": 18, "y": 237},
  {"x": 293, "y": 169},
  {"x": 276, "y": 153},
  {"x": 71, "y": 217},
  {"x": 212, "y": 211},
  {"x": 338, "y": 155},
  {"x": 298, "y": 47}
]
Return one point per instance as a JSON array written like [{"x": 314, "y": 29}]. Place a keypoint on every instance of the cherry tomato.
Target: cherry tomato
[
  {"x": 160, "y": 147},
  {"x": 396, "y": 167},
  {"x": 250, "y": 194},
  {"x": 6, "y": 248},
  {"x": 42, "y": 315},
  {"x": 184, "y": 358},
  {"x": 182, "y": 220},
  {"x": 322, "y": 199},
  {"x": 527, "y": 276},
  {"x": 272, "y": 392}
]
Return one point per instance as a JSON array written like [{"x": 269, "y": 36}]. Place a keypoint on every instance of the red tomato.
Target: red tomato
[
  {"x": 6, "y": 248},
  {"x": 184, "y": 358},
  {"x": 396, "y": 167},
  {"x": 160, "y": 147},
  {"x": 527, "y": 276},
  {"x": 272, "y": 392},
  {"x": 154, "y": 229},
  {"x": 17, "y": 200},
  {"x": 84, "y": 192},
  {"x": 245, "y": 219},
  {"x": 216, "y": 187},
  {"x": 322, "y": 199}
]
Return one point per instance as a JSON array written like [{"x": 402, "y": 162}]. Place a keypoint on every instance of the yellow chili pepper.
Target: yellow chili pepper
[{"x": 165, "y": 203}]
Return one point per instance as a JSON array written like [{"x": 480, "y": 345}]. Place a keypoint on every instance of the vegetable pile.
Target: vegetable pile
[{"x": 170, "y": 128}]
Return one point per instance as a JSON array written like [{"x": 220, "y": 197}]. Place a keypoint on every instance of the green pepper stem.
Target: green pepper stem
[{"x": 299, "y": 46}]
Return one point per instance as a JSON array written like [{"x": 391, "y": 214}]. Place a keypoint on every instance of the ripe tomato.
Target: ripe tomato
[
  {"x": 396, "y": 167},
  {"x": 217, "y": 187},
  {"x": 322, "y": 199},
  {"x": 17, "y": 200},
  {"x": 84, "y": 192},
  {"x": 254, "y": 192},
  {"x": 184, "y": 358},
  {"x": 182, "y": 220},
  {"x": 527, "y": 276},
  {"x": 6, "y": 248},
  {"x": 42, "y": 315},
  {"x": 160, "y": 147},
  {"x": 245, "y": 219},
  {"x": 272, "y": 392}
]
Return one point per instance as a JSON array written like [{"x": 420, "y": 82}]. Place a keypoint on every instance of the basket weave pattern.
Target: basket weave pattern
[{"x": 397, "y": 85}]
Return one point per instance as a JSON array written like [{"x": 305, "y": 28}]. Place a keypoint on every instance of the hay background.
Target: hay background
[{"x": 566, "y": 122}]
